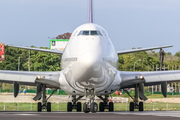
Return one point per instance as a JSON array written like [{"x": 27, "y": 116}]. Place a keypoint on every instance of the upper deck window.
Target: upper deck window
[{"x": 94, "y": 32}]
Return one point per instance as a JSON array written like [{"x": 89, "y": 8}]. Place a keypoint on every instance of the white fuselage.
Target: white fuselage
[{"x": 89, "y": 60}]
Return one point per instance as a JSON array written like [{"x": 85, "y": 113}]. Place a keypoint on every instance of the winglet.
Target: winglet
[{"x": 90, "y": 11}]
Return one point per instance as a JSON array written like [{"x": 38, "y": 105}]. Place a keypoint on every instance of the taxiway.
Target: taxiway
[{"x": 147, "y": 115}]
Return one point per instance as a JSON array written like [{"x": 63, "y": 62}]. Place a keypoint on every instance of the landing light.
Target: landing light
[
  {"x": 141, "y": 77},
  {"x": 38, "y": 77}
]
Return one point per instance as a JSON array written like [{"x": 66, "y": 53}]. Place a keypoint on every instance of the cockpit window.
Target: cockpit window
[
  {"x": 99, "y": 33},
  {"x": 94, "y": 32},
  {"x": 83, "y": 33}
]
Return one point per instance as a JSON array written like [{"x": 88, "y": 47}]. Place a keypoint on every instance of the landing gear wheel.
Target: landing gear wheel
[
  {"x": 111, "y": 106},
  {"x": 101, "y": 107},
  {"x": 141, "y": 108},
  {"x": 78, "y": 107},
  {"x": 85, "y": 108},
  {"x": 39, "y": 107},
  {"x": 131, "y": 106},
  {"x": 69, "y": 107},
  {"x": 48, "y": 107},
  {"x": 94, "y": 107}
]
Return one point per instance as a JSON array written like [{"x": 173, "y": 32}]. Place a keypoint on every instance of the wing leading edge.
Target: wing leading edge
[
  {"x": 30, "y": 78},
  {"x": 40, "y": 50},
  {"x": 129, "y": 79},
  {"x": 143, "y": 49}
]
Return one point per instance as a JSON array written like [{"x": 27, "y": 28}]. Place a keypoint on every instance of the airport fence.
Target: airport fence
[
  {"x": 61, "y": 92},
  {"x": 48, "y": 91}
]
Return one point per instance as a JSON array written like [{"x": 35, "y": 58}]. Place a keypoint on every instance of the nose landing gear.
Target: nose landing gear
[{"x": 90, "y": 106}]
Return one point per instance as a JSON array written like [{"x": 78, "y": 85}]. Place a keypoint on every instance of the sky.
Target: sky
[{"x": 129, "y": 23}]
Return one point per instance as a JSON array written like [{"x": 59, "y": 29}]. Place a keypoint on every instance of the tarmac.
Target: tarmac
[{"x": 146, "y": 115}]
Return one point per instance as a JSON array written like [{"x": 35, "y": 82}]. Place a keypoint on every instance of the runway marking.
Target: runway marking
[
  {"x": 25, "y": 114},
  {"x": 153, "y": 113}
]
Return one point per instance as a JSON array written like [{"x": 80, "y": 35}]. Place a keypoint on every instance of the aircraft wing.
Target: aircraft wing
[
  {"x": 38, "y": 49},
  {"x": 129, "y": 79},
  {"x": 143, "y": 49},
  {"x": 51, "y": 79}
]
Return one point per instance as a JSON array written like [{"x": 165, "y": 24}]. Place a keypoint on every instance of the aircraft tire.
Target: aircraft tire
[
  {"x": 39, "y": 107},
  {"x": 111, "y": 106},
  {"x": 85, "y": 108},
  {"x": 48, "y": 107},
  {"x": 94, "y": 107},
  {"x": 101, "y": 107},
  {"x": 79, "y": 107},
  {"x": 131, "y": 106},
  {"x": 69, "y": 106},
  {"x": 141, "y": 108}
]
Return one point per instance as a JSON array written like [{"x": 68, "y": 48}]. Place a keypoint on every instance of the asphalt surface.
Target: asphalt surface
[{"x": 150, "y": 115}]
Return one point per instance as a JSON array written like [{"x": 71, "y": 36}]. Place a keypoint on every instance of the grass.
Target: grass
[
  {"x": 161, "y": 96},
  {"x": 148, "y": 95},
  {"x": 157, "y": 106}
]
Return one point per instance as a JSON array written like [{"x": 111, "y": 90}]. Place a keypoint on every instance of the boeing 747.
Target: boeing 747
[{"x": 89, "y": 68}]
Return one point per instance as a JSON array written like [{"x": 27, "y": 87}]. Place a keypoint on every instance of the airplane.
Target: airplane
[{"x": 89, "y": 68}]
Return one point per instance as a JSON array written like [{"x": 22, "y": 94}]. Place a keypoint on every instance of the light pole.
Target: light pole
[
  {"x": 135, "y": 63},
  {"x": 29, "y": 61},
  {"x": 18, "y": 63}
]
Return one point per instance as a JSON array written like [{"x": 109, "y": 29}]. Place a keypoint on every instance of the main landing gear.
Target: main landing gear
[
  {"x": 136, "y": 104},
  {"x": 44, "y": 105},
  {"x": 104, "y": 105},
  {"x": 90, "y": 105},
  {"x": 74, "y": 104}
]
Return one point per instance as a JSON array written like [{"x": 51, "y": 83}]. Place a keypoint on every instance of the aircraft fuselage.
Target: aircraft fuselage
[{"x": 89, "y": 59}]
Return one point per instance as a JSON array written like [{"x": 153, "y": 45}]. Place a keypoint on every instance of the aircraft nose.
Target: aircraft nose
[
  {"x": 88, "y": 66},
  {"x": 89, "y": 60}
]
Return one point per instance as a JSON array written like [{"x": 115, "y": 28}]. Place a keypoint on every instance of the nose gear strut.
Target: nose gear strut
[{"x": 90, "y": 105}]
